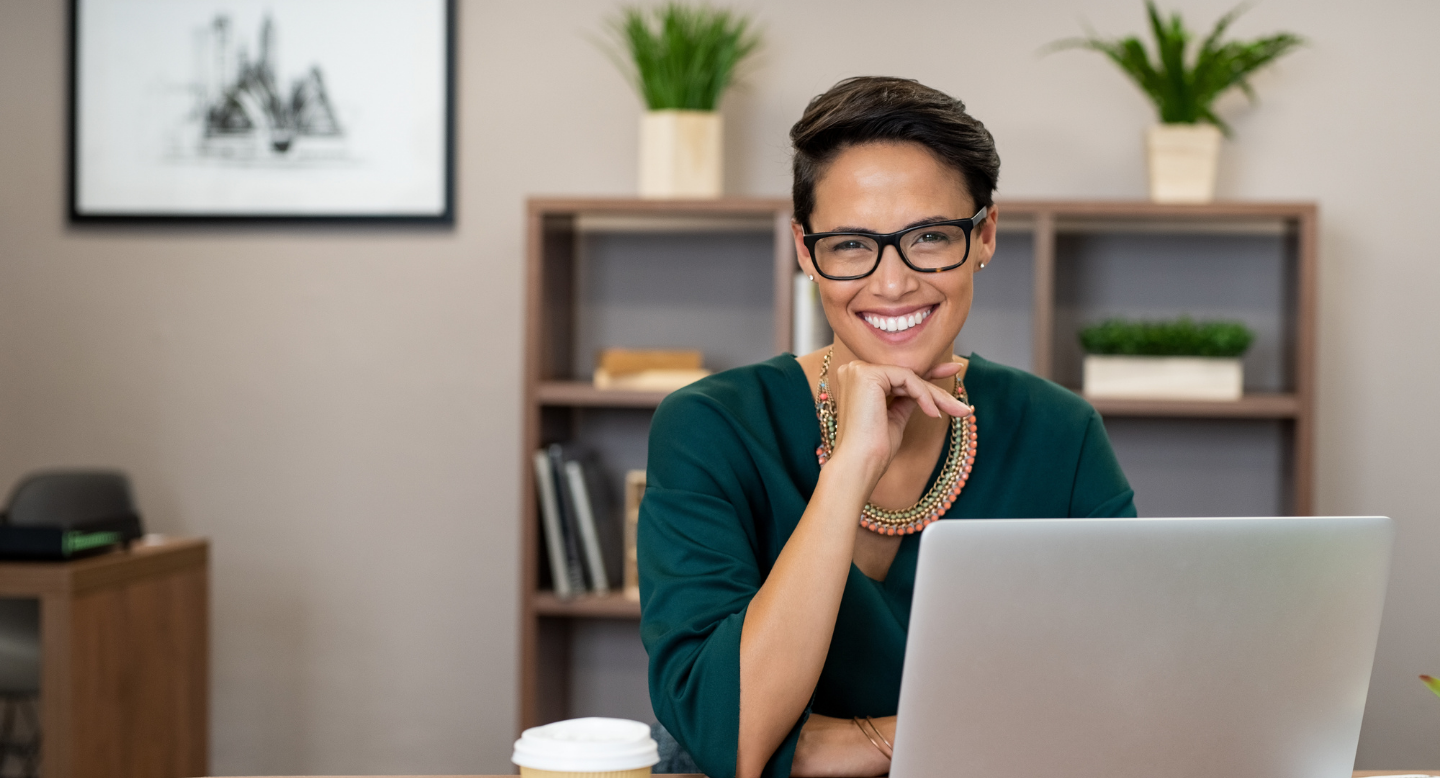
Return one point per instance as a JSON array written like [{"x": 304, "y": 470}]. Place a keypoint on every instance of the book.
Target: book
[
  {"x": 653, "y": 370},
  {"x": 551, "y": 522},
  {"x": 585, "y": 520},
  {"x": 634, "y": 492},
  {"x": 569, "y": 526}
]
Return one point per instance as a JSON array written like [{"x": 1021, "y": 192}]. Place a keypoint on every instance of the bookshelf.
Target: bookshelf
[{"x": 716, "y": 275}]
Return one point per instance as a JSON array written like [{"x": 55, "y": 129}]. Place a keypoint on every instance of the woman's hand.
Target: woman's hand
[
  {"x": 874, "y": 403},
  {"x": 831, "y": 747}
]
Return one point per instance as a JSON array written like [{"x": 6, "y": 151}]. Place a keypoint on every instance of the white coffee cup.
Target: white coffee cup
[{"x": 587, "y": 748}]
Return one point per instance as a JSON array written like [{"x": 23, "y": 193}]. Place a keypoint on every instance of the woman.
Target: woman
[{"x": 779, "y": 530}]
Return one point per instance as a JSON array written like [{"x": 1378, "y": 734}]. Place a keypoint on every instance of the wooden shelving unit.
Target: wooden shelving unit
[
  {"x": 566, "y": 237},
  {"x": 577, "y": 248}
]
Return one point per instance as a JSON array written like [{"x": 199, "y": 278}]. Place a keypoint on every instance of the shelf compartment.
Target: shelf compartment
[
  {"x": 585, "y": 606},
  {"x": 1251, "y": 406}
]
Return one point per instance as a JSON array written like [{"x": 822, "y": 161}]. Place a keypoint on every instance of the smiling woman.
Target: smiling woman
[{"x": 778, "y": 533}]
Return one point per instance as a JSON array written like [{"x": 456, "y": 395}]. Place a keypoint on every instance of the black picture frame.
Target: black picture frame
[{"x": 81, "y": 212}]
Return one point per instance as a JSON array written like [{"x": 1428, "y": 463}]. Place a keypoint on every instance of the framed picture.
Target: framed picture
[{"x": 262, "y": 110}]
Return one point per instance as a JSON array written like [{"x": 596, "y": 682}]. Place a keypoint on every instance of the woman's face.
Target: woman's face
[{"x": 883, "y": 188}]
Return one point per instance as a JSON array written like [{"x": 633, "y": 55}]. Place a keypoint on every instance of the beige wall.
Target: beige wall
[{"x": 338, "y": 408}]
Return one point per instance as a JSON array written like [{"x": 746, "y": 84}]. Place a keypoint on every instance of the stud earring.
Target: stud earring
[
  {"x": 812, "y": 278},
  {"x": 983, "y": 264}
]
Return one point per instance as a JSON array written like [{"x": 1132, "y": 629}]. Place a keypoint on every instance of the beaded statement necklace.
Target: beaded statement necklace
[{"x": 959, "y": 460}]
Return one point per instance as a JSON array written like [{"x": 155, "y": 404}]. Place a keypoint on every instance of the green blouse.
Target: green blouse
[{"x": 731, "y": 468}]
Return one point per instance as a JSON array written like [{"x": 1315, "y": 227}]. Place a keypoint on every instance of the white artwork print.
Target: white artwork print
[{"x": 261, "y": 107}]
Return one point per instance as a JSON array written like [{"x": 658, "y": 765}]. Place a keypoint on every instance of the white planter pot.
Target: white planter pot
[
  {"x": 1163, "y": 378},
  {"x": 1182, "y": 160},
  {"x": 680, "y": 154}
]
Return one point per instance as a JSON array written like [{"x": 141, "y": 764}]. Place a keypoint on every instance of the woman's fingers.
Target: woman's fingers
[
  {"x": 918, "y": 390},
  {"x": 950, "y": 404},
  {"x": 944, "y": 370},
  {"x": 901, "y": 408},
  {"x": 900, "y": 391},
  {"x": 931, "y": 399}
]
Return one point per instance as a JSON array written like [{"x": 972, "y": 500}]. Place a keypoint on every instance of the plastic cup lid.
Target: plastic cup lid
[{"x": 591, "y": 745}]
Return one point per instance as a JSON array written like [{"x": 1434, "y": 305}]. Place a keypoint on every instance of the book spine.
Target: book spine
[
  {"x": 589, "y": 536},
  {"x": 634, "y": 491},
  {"x": 573, "y": 566},
  {"x": 550, "y": 518}
]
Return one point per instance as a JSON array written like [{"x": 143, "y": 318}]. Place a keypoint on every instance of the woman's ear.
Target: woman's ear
[
  {"x": 985, "y": 232},
  {"x": 802, "y": 254}
]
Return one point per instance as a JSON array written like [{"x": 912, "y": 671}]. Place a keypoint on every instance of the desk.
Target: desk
[{"x": 124, "y": 678}]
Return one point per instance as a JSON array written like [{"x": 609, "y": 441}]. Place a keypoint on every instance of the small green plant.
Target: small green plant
[
  {"x": 1433, "y": 683},
  {"x": 1185, "y": 92},
  {"x": 1179, "y": 338},
  {"x": 680, "y": 56}
]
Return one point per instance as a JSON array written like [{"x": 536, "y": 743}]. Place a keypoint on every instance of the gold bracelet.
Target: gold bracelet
[
  {"x": 881, "y": 735},
  {"x": 861, "y": 727}
]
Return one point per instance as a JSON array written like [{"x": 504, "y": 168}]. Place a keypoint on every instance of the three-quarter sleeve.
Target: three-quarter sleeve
[
  {"x": 1100, "y": 489},
  {"x": 700, "y": 561}
]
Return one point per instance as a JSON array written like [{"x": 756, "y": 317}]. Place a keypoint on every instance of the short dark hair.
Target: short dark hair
[{"x": 871, "y": 109}]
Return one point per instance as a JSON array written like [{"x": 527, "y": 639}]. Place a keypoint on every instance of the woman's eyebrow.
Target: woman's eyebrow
[{"x": 916, "y": 223}]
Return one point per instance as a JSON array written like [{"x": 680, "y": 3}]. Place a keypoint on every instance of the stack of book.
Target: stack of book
[{"x": 582, "y": 540}]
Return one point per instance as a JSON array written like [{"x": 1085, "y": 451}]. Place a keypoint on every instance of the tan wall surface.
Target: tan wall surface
[{"x": 338, "y": 409}]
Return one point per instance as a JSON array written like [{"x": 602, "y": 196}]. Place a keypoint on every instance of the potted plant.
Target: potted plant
[
  {"x": 1184, "y": 148},
  {"x": 681, "y": 59},
  {"x": 1171, "y": 360}
]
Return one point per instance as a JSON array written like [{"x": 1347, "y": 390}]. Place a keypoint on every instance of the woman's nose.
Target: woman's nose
[{"x": 892, "y": 277}]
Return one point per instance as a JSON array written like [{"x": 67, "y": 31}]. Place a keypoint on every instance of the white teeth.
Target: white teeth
[{"x": 897, "y": 323}]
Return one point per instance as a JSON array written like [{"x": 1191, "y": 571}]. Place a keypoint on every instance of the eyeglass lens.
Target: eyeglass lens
[{"x": 928, "y": 248}]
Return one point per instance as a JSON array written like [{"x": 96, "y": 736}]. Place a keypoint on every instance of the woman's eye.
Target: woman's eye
[
  {"x": 852, "y": 245},
  {"x": 932, "y": 237}
]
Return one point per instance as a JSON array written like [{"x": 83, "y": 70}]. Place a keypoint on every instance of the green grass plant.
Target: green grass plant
[
  {"x": 1184, "y": 89},
  {"x": 1433, "y": 684},
  {"x": 1179, "y": 338},
  {"x": 682, "y": 56}
]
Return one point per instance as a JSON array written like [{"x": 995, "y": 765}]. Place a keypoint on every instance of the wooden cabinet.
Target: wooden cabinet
[
  {"x": 124, "y": 640},
  {"x": 717, "y": 275}
]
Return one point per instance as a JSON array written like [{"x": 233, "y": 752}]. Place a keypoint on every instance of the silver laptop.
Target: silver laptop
[{"x": 1141, "y": 648}]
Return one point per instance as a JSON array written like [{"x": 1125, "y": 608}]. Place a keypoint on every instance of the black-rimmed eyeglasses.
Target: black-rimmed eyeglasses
[{"x": 928, "y": 248}]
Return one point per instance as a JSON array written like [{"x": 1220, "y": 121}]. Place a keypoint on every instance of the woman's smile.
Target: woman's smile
[{"x": 900, "y": 325}]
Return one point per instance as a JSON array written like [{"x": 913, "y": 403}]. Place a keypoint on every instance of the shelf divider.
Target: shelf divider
[
  {"x": 584, "y": 394},
  {"x": 586, "y": 606},
  {"x": 1250, "y": 406}
]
